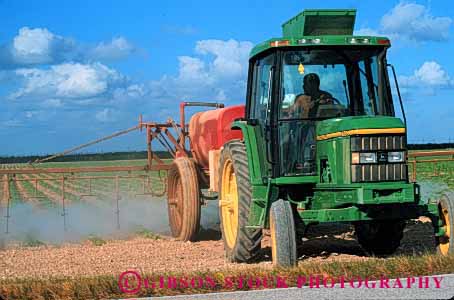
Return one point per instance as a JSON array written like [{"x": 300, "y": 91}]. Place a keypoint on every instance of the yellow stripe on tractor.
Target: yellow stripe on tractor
[{"x": 360, "y": 132}]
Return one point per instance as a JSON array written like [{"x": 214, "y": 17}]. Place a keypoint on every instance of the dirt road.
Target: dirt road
[{"x": 325, "y": 243}]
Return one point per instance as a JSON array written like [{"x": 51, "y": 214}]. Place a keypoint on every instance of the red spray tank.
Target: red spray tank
[{"x": 210, "y": 130}]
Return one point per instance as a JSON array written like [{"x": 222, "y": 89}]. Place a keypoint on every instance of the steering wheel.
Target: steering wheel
[{"x": 334, "y": 100}]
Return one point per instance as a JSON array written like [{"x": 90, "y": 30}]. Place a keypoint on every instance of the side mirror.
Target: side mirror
[{"x": 398, "y": 92}]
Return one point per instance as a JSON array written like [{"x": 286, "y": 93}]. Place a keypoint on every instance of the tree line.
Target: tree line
[{"x": 128, "y": 155}]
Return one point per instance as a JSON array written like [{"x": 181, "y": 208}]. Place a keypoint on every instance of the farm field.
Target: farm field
[
  {"x": 46, "y": 189},
  {"x": 98, "y": 254},
  {"x": 49, "y": 207},
  {"x": 433, "y": 177}
]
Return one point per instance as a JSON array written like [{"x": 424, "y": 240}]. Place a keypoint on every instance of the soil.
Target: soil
[{"x": 323, "y": 243}]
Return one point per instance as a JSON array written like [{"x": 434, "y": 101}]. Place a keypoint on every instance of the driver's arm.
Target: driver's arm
[{"x": 301, "y": 107}]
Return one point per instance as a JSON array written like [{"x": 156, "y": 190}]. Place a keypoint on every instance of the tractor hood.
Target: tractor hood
[{"x": 359, "y": 125}]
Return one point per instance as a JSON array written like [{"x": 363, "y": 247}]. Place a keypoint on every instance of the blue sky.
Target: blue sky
[{"x": 72, "y": 71}]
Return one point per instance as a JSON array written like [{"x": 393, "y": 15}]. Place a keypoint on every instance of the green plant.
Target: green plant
[
  {"x": 146, "y": 233},
  {"x": 31, "y": 241},
  {"x": 96, "y": 240}
]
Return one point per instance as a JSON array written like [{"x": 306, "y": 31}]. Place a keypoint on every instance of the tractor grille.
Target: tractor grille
[
  {"x": 377, "y": 143},
  {"x": 385, "y": 172},
  {"x": 378, "y": 171}
]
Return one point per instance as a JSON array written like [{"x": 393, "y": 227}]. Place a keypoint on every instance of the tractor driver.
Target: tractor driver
[{"x": 306, "y": 105}]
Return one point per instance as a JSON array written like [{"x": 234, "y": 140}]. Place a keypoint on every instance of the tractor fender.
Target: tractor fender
[
  {"x": 249, "y": 141},
  {"x": 263, "y": 193}
]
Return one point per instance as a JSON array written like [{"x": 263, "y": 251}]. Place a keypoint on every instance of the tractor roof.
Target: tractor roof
[{"x": 316, "y": 27}]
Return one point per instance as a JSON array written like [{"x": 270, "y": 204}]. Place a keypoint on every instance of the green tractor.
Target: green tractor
[{"x": 319, "y": 141}]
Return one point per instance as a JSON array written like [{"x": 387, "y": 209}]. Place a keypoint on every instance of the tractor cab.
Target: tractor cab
[{"x": 317, "y": 75}]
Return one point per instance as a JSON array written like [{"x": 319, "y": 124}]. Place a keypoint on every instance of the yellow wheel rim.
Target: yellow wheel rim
[
  {"x": 444, "y": 246},
  {"x": 273, "y": 240},
  {"x": 229, "y": 203}
]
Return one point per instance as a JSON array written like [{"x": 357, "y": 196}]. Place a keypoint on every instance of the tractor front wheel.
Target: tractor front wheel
[
  {"x": 445, "y": 244},
  {"x": 283, "y": 234},
  {"x": 241, "y": 244},
  {"x": 183, "y": 199},
  {"x": 380, "y": 238}
]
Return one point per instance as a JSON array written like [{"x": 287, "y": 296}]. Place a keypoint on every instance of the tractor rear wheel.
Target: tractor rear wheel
[
  {"x": 380, "y": 238},
  {"x": 241, "y": 244},
  {"x": 183, "y": 199},
  {"x": 445, "y": 244},
  {"x": 283, "y": 234}
]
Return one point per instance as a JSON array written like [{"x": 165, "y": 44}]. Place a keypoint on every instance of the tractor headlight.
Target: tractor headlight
[
  {"x": 397, "y": 156},
  {"x": 368, "y": 158},
  {"x": 364, "y": 158},
  {"x": 357, "y": 40}
]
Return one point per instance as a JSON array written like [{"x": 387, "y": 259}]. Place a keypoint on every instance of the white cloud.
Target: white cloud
[
  {"x": 33, "y": 45},
  {"x": 52, "y": 103},
  {"x": 39, "y": 46},
  {"x": 415, "y": 22},
  {"x": 411, "y": 22},
  {"x": 117, "y": 48},
  {"x": 78, "y": 80},
  {"x": 107, "y": 115},
  {"x": 69, "y": 80},
  {"x": 230, "y": 56},
  {"x": 192, "y": 70},
  {"x": 430, "y": 74},
  {"x": 217, "y": 73},
  {"x": 135, "y": 91},
  {"x": 37, "y": 115},
  {"x": 367, "y": 32}
]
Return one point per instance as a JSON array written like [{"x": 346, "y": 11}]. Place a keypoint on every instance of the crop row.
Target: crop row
[{"x": 46, "y": 189}]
